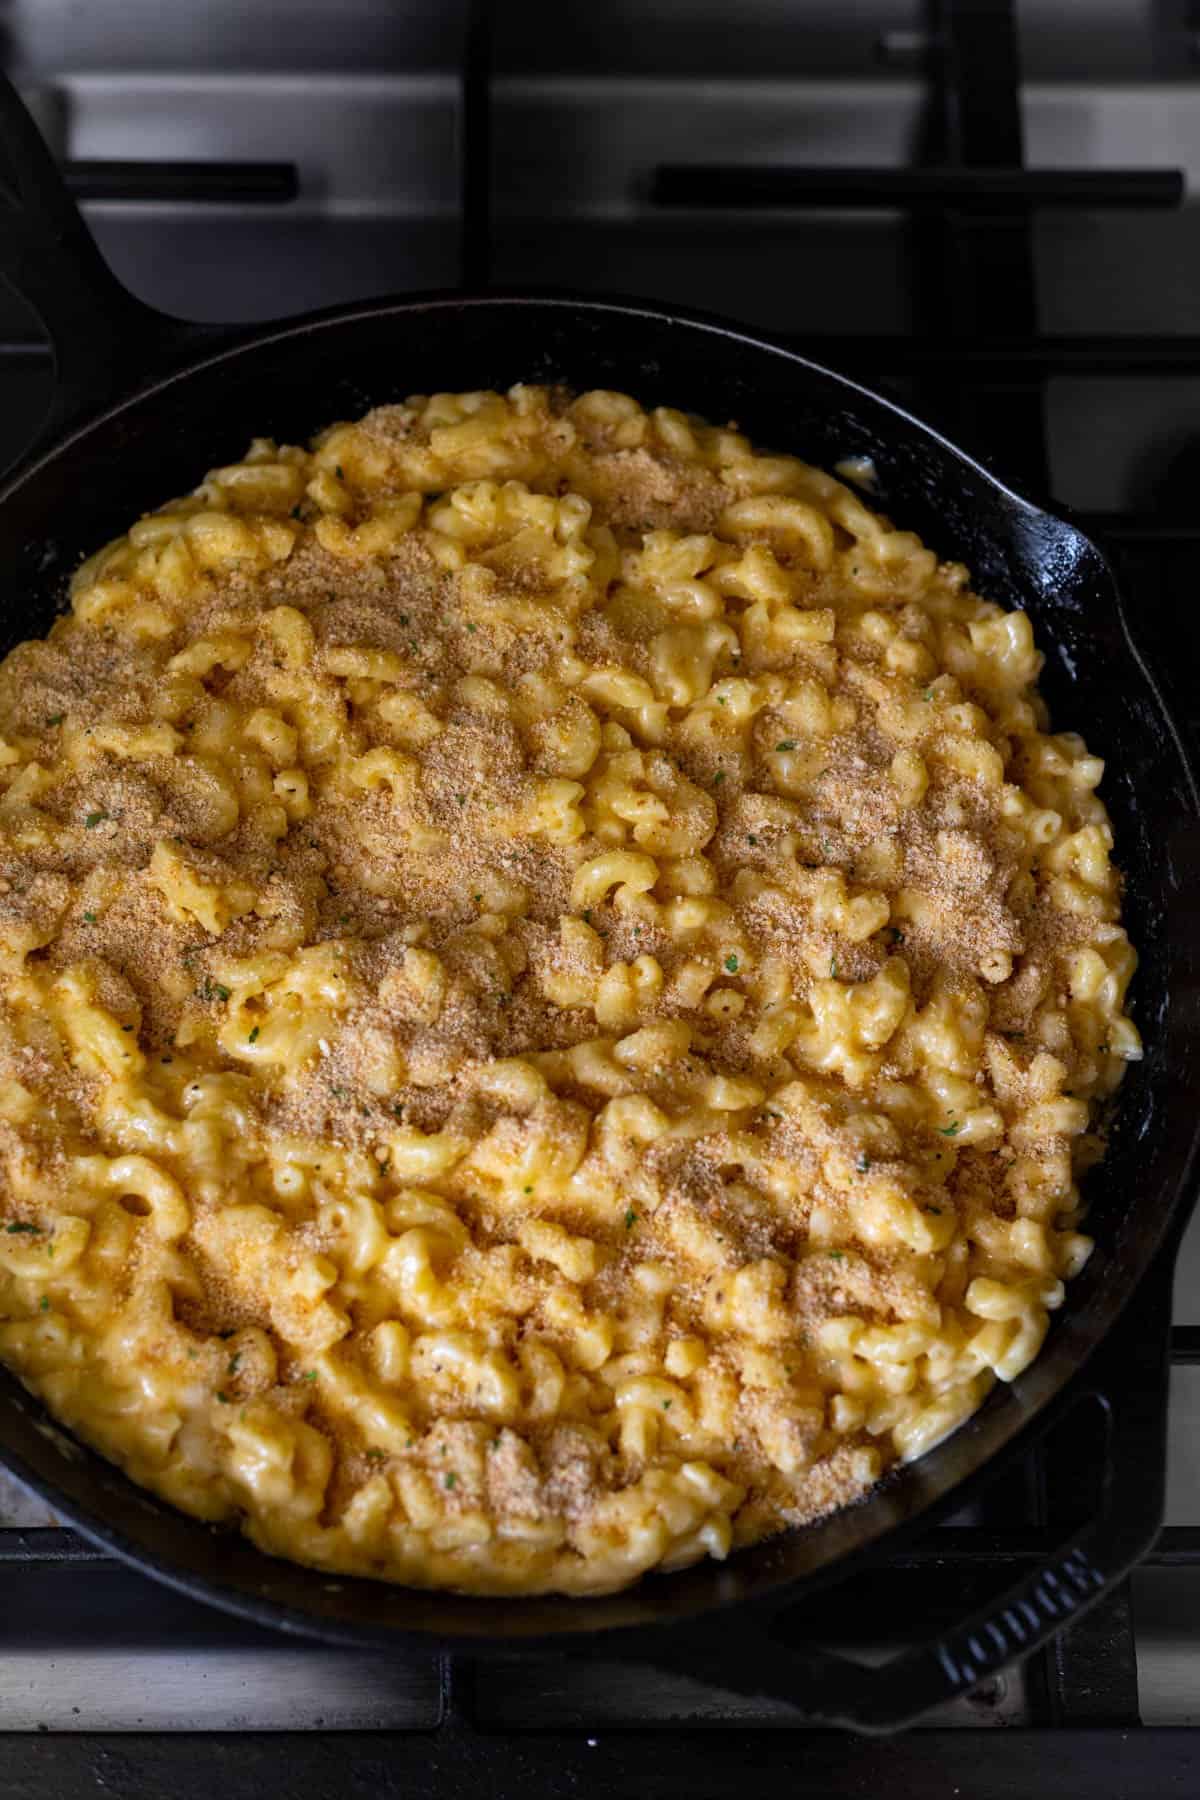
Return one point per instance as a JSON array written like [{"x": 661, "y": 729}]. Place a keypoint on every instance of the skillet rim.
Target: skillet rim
[
  {"x": 1024, "y": 1422},
  {"x": 220, "y": 344}
]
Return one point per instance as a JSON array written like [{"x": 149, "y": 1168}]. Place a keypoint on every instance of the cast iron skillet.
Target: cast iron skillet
[{"x": 144, "y": 404}]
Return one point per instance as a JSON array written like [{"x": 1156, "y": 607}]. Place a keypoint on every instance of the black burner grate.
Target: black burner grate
[{"x": 588, "y": 1727}]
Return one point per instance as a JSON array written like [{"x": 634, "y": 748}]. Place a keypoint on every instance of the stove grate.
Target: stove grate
[{"x": 588, "y": 1727}]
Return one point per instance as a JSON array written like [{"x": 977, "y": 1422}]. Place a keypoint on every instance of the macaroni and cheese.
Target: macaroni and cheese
[{"x": 554, "y": 984}]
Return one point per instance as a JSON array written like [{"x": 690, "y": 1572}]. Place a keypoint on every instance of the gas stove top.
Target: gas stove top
[{"x": 358, "y": 148}]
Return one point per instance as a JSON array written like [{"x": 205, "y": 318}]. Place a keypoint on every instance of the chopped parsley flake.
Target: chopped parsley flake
[
  {"x": 337, "y": 469},
  {"x": 56, "y": 718},
  {"x": 44, "y": 1303},
  {"x": 895, "y": 934},
  {"x": 928, "y": 694},
  {"x": 630, "y": 1220},
  {"x": 451, "y": 1481},
  {"x": 223, "y": 1397},
  {"x": 529, "y": 1190},
  {"x": 838, "y": 1255},
  {"x": 750, "y": 838},
  {"x": 863, "y": 1162},
  {"x": 213, "y": 990},
  {"x": 94, "y": 819},
  {"x": 376, "y": 1455},
  {"x": 731, "y": 963},
  {"x": 785, "y": 744},
  {"x": 234, "y": 1360},
  {"x": 950, "y": 1130},
  {"x": 19, "y": 1226},
  {"x": 309, "y": 1375},
  {"x": 833, "y": 967},
  {"x": 253, "y": 1036},
  {"x": 472, "y": 628},
  {"x": 89, "y": 918},
  {"x": 718, "y": 778},
  {"x": 666, "y": 1406}
]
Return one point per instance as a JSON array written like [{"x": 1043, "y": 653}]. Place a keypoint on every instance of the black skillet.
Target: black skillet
[{"x": 143, "y": 406}]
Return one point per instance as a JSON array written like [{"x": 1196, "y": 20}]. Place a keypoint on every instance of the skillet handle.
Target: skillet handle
[
  {"x": 830, "y": 1689},
  {"x": 101, "y": 336}
]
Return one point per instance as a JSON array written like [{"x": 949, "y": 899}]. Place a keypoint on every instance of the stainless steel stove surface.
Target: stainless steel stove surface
[{"x": 422, "y": 151}]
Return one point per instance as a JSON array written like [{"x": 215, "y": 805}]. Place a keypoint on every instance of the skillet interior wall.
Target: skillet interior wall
[{"x": 292, "y": 385}]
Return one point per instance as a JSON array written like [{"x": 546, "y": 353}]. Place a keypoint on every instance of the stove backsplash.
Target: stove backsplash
[{"x": 1118, "y": 39}]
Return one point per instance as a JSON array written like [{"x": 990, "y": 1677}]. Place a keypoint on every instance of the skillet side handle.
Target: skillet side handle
[
  {"x": 830, "y": 1689},
  {"x": 101, "y": 336}
]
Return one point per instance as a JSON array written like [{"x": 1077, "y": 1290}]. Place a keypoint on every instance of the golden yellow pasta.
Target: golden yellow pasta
[{"x": 554, "y": 981}]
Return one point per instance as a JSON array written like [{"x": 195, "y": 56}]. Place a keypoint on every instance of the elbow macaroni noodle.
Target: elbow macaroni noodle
[{"x": 555, "y": 981}]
